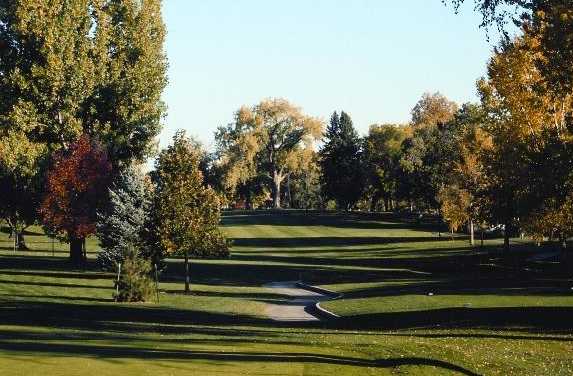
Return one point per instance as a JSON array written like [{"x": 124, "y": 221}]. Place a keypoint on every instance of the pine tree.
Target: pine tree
[
  {"x": 121, "y": 223},
  {"x": 341, "y": 162}
]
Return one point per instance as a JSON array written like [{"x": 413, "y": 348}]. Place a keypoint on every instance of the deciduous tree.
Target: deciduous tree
[
  {"x": 76, "y": 187},
  {"x": 262, "y": 141},
  {"x": 188, "y": 212}
]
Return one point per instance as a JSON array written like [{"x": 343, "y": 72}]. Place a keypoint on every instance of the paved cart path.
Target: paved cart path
[{"x": 293, "y": 307}]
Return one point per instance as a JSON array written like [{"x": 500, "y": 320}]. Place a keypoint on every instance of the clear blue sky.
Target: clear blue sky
[{"x": 370, "y": 58}]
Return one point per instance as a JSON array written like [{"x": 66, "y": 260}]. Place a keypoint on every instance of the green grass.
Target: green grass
[{"x": 489, "y": 314}]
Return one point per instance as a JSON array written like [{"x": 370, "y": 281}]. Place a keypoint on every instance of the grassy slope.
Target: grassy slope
[{"x": 56, "y": 320}]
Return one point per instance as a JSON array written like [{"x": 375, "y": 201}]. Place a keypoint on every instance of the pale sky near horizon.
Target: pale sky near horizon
[{"x": 371, "y": 58}]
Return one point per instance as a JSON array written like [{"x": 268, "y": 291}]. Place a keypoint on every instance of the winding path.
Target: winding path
[{"x": 294, "y": 308}]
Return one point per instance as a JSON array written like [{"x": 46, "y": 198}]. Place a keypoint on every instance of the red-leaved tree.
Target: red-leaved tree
[{"x": 77, "y": 184}]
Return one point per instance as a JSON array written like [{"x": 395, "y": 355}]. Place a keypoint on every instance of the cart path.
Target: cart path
[{"x": 293, "y": 307}]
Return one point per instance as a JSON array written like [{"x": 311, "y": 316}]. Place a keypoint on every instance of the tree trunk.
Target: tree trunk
[
  {"x": 76, "y": 251},
  {"x": 472, "y": 240},
  {"x": 506, "y": 237},
  {"x": 187, "y": 289},
  {"x": 84, "y": 249},
  {"x": 277, "y": 180},
  {"x": 374, "y": 202},
  {"x": 289, "y": 198},
  {"x": 21, "y": 243}
]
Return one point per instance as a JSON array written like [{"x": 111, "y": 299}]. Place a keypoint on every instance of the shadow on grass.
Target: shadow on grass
[
  {"x": 557, "y": 319},
  {"x": 55, "y": 274},
  {"x": 327, "y": 241},
  {"x": 541, "y": 337},
  {"x": 114, "y": 317},
  {"x": 113, "y": 352},
  {"x": 52, "y": 284},
  {"x": 373, "y": 221}
]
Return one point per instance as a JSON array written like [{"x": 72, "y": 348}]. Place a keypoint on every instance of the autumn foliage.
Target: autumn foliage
[{"x": 76, "y": 186}]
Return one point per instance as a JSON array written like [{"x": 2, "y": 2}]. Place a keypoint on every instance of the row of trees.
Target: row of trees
[
  {"x": 505, "y": 160},
  {"x": 80, "y": 110}
]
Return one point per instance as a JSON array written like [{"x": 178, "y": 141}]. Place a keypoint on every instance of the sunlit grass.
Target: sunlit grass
[{"x": 58, "y": 320}]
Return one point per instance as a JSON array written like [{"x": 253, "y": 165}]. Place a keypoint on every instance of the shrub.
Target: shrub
[{"x": 135, "y": 283}]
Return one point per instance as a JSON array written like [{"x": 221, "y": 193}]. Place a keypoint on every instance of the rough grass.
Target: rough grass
[{"x": 489, "y": 314}]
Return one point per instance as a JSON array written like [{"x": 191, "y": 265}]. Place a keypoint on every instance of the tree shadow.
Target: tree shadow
[
  {"x": 536, "y": 318},
  {"x": 114, "y": 352},
  {"x": 53, "y": 284},
  {"x": 326, "y": 241}
]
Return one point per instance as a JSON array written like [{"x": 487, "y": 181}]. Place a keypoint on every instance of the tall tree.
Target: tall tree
[
  {"x": 76, "y": 188},
  {"x": 264, "y": 141},
  {"x": 433, "y": 109},
  {"x": 77, "y": 67},
  {"x": 21, "y": 164},
  {"x": 305, "y": 185},
  {"x": 83, "y": 66},
  {"x": 188, "y": 212},
  {"x": 341, "y": 161},
  {"x": 383, "y": 152}
]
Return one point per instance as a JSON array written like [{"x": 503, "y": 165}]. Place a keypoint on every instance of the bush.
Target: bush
[{"x": 135, "y": 283}]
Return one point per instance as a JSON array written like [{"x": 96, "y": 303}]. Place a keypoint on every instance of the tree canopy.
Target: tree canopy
[{"x": 266, "y": 141}]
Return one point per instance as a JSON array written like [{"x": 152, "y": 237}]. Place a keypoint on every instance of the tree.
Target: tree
[
  {"x": 433, "y": 109},
  {"x": 188, "y": 212},
  {"x": 426, "y": 161},
  {"x": 76, "y": 187},
  {"x": 263, "y": 140},
  {"x": 77, "y": 67},
  {"x": 455, "y": 206},
  {"x": 83, "y": 66},
  {"x": 305, "y": 185},
  {"x": 20, "y": 182},
  {"x": 341, "y": 162},
  {"x": 135, "y": 283},
  {"x": 550, "y": 22},
  {"x": 121, "y": 222},
  {"x": 469, "y": 174},
  {"x": 529, "y": 163},
  {"x": 383, "y": 152}
]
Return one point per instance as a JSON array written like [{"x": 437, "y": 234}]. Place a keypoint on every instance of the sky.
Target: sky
[{"x": 370, "y": 58}]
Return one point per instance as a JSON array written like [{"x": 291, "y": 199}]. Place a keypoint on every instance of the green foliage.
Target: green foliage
[
  {"x": 341, "y": 161},
  {"x": 305, "y": 185},
  {"x": 383, "y": 152},
  {"x": 135, "y": 283},
  {"x": 426, "y": 162},
  {"x": 21, "y": 166},
  {"x": 188, "y": 212},
  {"x": 83, "y": 66}
]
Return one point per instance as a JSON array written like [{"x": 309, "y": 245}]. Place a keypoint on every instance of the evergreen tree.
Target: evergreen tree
[
  {"x": 121, "y": 223},
  {"x": 135, "y": 283},
  {"x": 341, "y": 161}
]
